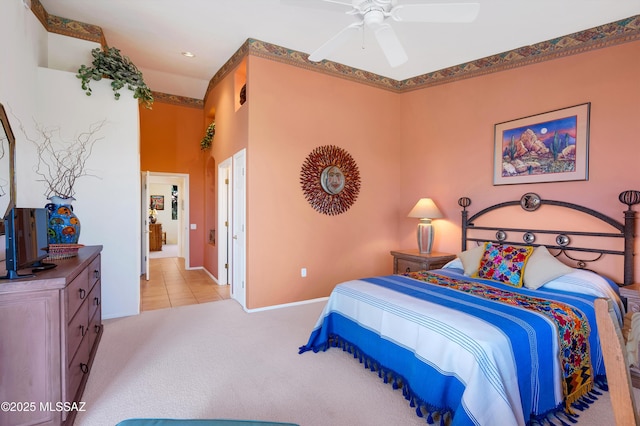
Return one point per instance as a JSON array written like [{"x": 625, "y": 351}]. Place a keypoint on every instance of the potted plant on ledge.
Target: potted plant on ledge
[
  {"x": 207, "y": 140},
  {"x": 110, "y": 63}
]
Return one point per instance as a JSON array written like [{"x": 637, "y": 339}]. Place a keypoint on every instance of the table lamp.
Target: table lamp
[{"x": 425, "y": 209}]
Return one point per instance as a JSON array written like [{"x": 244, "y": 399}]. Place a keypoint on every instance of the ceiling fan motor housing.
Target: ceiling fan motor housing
[
  {"x": 374, "y": 17},
  {"x": 365, "y": 7}
]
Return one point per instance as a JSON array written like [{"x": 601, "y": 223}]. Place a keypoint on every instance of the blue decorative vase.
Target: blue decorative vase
[{"x": 64, "y": 226}]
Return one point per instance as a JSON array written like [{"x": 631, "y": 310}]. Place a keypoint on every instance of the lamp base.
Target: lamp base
[{"x": 425, "y": 236}]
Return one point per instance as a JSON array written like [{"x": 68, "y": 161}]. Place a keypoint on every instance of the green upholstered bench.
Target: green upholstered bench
[{"x": 199, "y": 422}]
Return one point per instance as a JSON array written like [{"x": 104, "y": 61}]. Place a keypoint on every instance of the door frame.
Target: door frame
[
  {"x": 238, "y": 187},
  {"x": 224, "y": 221},
  {"x": 144, "y": 220},
  {"x": 182, "y": 181}
]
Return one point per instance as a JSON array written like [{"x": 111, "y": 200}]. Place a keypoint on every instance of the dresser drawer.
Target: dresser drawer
[
  {"x": 95, "y": 325},
  {"x": 77, "y": 328},
  {"x": 411, "y": 260},
  {"x": 76, "y": 293},
  {"x": 95, "y": 299},
  {"x": 94, "y": 271},
  {"x": 410, "y": 266},
  {"x": 437, "y": 264},
  {"x": 78, "y": 367}
]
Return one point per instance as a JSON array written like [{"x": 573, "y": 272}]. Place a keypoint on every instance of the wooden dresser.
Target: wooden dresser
[
  {"x": 50, "y": 326},
  {"x": 155, "y": 236}
]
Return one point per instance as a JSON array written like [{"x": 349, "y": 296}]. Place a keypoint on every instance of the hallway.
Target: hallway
[{"x": 172, "y": 285}]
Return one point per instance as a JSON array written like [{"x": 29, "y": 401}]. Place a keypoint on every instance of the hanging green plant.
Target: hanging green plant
[
  {"x": 109, "y": 63},
  {"x": 206, "y": 141}
]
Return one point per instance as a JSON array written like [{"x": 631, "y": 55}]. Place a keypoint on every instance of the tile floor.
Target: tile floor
[{"x": 172, "y": 285}]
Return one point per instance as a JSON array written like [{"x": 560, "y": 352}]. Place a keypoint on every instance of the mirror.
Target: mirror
[{"x": 7, "y": 183}]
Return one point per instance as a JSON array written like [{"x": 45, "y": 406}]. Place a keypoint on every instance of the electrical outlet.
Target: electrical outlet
[{"x": 303, "y": 272}]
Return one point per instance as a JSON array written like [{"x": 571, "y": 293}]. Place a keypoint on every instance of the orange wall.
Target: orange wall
[
  {"x": 292, "y": 112},
  {"x": 221, "y": 106},
  {"x": 449, "y": 132},
  {"x": 170, "y": 143},
  {"x": 435, "y": 142}
]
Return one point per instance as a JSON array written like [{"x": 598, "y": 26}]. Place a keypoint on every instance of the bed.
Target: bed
[{"x": 504, "y": 334}]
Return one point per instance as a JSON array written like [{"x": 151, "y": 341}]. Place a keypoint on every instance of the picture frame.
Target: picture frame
[
  {"x": 158, "y": 201},
  {"x": 548, "y": 147}
]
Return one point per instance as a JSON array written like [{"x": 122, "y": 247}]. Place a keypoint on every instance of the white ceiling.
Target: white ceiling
[{"x": 153, "y": 33}]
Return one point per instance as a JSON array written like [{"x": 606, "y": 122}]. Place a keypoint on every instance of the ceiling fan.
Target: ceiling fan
[{"x": 372, "y": 14}]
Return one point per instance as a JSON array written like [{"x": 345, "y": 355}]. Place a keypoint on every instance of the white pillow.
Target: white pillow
[
  {"x": 542, "y": 267},
  {"x": 471, "y": 259}
]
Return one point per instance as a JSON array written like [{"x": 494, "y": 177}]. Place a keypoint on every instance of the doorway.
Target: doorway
[
  {"x": 231, "y": 222},
  {"x": 166, "y": 196}
]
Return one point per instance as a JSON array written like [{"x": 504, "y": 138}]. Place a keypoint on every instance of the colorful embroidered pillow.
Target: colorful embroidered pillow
[{"x": 504, "y": 263}]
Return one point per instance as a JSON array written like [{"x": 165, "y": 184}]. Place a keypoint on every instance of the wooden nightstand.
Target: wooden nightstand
[
  {"x": 632, "y": 294},
  {"x": 413, "y": 260}
]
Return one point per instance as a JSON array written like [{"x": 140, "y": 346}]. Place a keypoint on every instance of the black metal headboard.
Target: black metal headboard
[{"x": 531, "y": 202}]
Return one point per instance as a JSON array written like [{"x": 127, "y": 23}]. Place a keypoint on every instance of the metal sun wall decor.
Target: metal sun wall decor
[{"x": 330, "y": 180}]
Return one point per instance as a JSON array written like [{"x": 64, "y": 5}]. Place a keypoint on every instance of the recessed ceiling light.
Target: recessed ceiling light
[{"x": 189, "y": 54}]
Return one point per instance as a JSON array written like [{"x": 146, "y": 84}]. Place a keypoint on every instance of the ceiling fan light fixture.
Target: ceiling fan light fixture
[{"x": 374, "y": 17}]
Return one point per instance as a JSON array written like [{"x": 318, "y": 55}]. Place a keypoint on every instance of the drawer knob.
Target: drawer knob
[
  {"x": 84, "y": 367},
  {"x": 82, "y": 292},
  {"x": 96, "y": 301},
  {"x": 97, "y": 328},
  {"x": 408, "y": 269},
  {"x": 96, "y": 273},
  {"x": 83, "y": 330}
]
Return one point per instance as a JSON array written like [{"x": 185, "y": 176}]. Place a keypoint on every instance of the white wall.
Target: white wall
[
  {"x": 108, "y": 204},
  {"x": 23, "y": 43},
  {"x": 109, "y": 207}
]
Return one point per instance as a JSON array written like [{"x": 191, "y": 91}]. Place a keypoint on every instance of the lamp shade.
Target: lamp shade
[{"x": 425, "y": 209}]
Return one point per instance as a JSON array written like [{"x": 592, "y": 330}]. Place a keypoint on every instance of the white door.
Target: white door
[
  {"x": 224, "y": 221},
  {"x": 144, "y": 206},
  {"x": 239, "y": 228}
]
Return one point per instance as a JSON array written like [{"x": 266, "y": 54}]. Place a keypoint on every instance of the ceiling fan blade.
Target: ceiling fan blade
[
  {"x": 325, "y": 50},
  {"x": 390, "y": 44},
  {"x": 436, "y": 12},
  {"x": 336, "y": 5}
]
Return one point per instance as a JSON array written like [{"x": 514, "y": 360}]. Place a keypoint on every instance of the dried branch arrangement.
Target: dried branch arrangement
[{"x": 61, "y": 163}]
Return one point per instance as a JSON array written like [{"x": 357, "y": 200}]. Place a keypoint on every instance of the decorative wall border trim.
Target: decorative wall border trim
[
  {"x": 622, "y": 31},
  {"x": 177, "y": 100},
  {"x": 67, "y": 27},
  {"x": 228, "y": 66}
]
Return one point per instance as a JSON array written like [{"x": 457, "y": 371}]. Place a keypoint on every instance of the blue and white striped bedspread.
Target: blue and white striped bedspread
[{"x": 486, "y": 362}]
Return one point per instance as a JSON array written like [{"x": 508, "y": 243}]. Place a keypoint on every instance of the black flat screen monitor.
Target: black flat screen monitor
[{"x": 26, "y": 240}]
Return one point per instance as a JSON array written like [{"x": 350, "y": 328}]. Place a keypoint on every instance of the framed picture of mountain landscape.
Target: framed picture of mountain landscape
[{"x": 548, "y": 147}]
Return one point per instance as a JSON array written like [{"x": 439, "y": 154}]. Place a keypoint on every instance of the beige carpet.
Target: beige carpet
[{"x": 213, "y": 360}]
